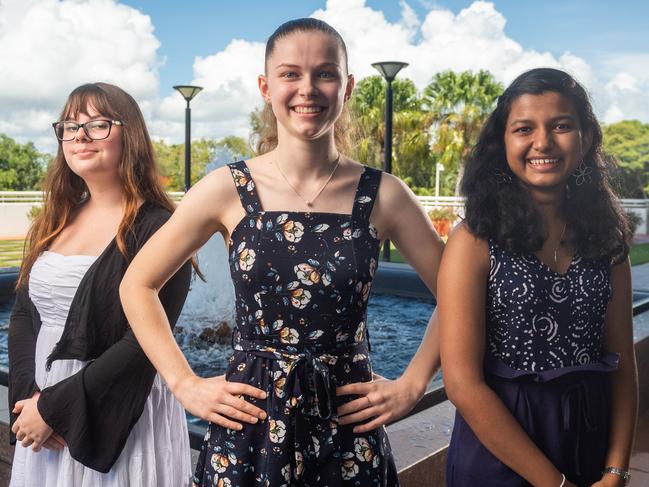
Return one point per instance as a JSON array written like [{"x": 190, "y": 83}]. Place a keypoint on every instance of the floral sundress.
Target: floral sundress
[{"x": 301, "y": 281}]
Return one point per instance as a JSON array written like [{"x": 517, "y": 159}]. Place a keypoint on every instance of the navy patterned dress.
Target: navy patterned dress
[
  {"x": 546, "y": 361},
  {"x": 302, "y": 281}
]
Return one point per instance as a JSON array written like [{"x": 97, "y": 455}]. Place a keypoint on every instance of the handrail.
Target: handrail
[
  {"x": 435, "y": 394},
  {"x": 37, "y": 197}
]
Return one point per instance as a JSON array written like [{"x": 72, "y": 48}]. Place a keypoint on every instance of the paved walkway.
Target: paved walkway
[
  {"x": 640, "y": 278},
  {"x": 640, "y": 457}
]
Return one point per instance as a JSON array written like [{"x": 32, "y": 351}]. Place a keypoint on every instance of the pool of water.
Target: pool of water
[{"x": 396, "y": 327}]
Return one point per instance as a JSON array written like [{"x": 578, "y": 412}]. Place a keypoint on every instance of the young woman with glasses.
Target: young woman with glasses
[{"x": 87, "y": 406}]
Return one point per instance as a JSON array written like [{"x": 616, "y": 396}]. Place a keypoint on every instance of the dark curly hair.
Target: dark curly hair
[{"x": 499, "y": 208}]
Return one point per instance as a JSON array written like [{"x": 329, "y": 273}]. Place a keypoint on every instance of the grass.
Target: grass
[
  {"x": 11, "y": 252},
  {"x": 639, "y": 254}
]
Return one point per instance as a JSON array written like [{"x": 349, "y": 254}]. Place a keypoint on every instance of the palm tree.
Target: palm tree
[
  {"x": 459, "y": 104},
  {"x": 411, "y": 159}
]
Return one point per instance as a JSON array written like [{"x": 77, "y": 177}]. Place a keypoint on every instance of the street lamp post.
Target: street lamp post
[
  {"x": 388, "y": 70},
  {"x": 188, "y": 92}
]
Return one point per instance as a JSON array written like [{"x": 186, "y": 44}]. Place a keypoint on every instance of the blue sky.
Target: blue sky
[
  {"x": 48, "y": 47},
  {"x": 603, "y": 28}
]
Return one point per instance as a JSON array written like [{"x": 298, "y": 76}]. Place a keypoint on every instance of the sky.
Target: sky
[{"x": 48, "y": 47}]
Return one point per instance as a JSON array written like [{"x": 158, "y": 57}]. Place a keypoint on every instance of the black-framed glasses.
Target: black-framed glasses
[{"x": 94, "y": 129}]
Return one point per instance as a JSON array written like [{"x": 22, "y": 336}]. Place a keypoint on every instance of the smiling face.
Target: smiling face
[
  {"x": 306, "y": 83},
  {"x": 543, "y": 141},
  {"x": 89, "y": 158}
]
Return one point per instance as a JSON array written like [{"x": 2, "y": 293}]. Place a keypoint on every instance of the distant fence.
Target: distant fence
[
  {"x": 15, "y": 206},
  {"x": 37, "y": 196}
]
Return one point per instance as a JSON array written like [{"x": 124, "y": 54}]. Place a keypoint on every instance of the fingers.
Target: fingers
[
  {"x": 26, "y": 441},
  {"x": 358, "y": 388},
  {"x": 233, "y": 413},
  {"x": 353, "y": 406},
  {"x": 372, "y": 425},
  {"x": 58, "y": 438},
  {"x": 244, "y": 407},
  {"x": 248, "y": 390},
  {"x": 52, "y": 444},
  {"x": 18, "y": 407},
  {"x": 361, "y": 415},
  {"x": 223, "y": 421}
]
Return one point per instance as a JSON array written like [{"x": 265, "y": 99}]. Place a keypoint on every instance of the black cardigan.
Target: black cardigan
[{"x": 95, "y": 409}]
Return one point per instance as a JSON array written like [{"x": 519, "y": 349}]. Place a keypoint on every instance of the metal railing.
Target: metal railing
[
  {"x": 428, "y": 202},
  {"x": 37, "y": 196},
  {"x": 434, "y": 395}
]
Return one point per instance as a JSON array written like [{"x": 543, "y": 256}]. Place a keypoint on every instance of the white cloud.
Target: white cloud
[
  {"x": 49, "y": 47},
  {"x": 627, "y": 97},
  {"x": 229, "y": 79}
]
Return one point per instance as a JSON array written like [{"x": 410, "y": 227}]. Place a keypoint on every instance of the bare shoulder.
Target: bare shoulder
[
  {"x": 463, "y": 246},
  {"x": 217, "y": 186},
  {"x": 392, "y": 189},
  {"x": 213, "y": 200},
  {"x": 393, "y": 198}
]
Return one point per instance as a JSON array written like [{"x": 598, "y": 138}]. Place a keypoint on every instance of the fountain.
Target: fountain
[{"x": 206, "y": 321}]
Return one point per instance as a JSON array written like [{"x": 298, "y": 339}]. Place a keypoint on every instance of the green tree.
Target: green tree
[
  {"x": 459, "y": 104},
  {"x": 22, "y": 167},
  {"x": 628, "y": 142},
  {"x": 171, "y": 158},
  {"x": 411, "y": 156}
]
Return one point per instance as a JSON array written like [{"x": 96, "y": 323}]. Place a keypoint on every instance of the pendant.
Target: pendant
[{"x": 308, "y": 203}]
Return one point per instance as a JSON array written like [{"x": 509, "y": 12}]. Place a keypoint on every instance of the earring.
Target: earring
[
  {"x": 582, "y": 174},
  {"x": 501, "y": 176}
]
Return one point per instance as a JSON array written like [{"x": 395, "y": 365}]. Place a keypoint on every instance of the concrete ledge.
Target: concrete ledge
[{"x": 419, "y": 444}]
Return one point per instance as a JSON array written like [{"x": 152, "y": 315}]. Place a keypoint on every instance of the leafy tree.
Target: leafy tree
[
  {"x": 628, "y": 142},
  {"x": 171, "y": 158},
  {"x": 411, "y": 156},
  {"x": 439, "y": 125},
  {"x": 459, "y": 104},
  {"x": 22, "y": 167}
]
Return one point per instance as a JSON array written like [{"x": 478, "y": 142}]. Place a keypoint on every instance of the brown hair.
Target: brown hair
[
  {"x": 64, "y": 190},
  {"x": 266, "y": 139}
]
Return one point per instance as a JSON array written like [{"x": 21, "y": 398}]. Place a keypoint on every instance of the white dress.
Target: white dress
[{"x": 157, "y": 451}]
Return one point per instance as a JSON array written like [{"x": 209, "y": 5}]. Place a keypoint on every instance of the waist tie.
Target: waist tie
[
  {"x": 308, "y": 369},
  {"x": 575, "y": 406}
]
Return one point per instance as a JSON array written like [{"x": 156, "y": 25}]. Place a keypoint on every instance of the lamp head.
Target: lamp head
[
  {"x": 389, "y": 69},
  {"x": 187, "y": 91}
]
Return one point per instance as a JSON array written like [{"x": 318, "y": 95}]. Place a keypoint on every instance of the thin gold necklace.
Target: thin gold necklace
[
  {"x": 556, "y": 249},
  {"x": 309, "y": 202}
]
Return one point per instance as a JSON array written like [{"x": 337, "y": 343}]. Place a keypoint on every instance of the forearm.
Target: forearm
[
  {"x": 498, "y": 430},
  {"x": 624, "y": 412},
  {"x": 150, "y": 325},
  {"x": 425, "y": 363}
]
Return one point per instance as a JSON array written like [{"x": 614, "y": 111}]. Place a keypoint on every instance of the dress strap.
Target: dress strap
[
  {"x": 245, "y": 187},
  {"x": 368, "y": 187}
]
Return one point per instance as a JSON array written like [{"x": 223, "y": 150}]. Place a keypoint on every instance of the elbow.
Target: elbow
[
  {"x": 126, "y": 288},
  {"x": 459, "y": 389},
  {"x": 123, "y": 288}
]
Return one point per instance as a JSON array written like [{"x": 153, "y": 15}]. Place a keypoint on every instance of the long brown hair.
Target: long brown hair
[
  {"x": 266, "y": 138},
  {"x": 64, "y": 190}
]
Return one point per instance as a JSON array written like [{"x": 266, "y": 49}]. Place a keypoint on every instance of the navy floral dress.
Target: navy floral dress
[
  {"x": 301, "y": 281},
  {"x": 545, "y": 359}
]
